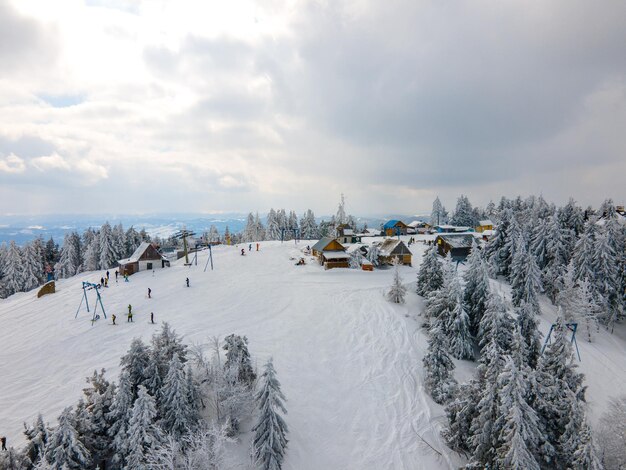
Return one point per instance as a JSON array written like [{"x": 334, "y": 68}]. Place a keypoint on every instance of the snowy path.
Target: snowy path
[{"x": 349, "y": 361}]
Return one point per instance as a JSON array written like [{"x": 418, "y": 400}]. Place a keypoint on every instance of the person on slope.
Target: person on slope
[
  {"x": 113, "y": 317},
  {"x": 4, "y": 442},
  {"x": 152, "y": 317},
  {"x": 243, "y": 252},
  {"x": 187, "y": 281},
  {"x": 149, "y": 293}
]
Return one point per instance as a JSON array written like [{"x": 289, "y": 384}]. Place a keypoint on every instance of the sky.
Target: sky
[{"x": 131, "y": 106}]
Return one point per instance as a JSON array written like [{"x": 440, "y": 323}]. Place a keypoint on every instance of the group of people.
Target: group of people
[
  {"x": 129, "y": 315},
  {"x": 243, "y": 250}
]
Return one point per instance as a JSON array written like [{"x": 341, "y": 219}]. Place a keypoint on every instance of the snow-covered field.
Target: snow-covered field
[{"x": 349, "y": 361}]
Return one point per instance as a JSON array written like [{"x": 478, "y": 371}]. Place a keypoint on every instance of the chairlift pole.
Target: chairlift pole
[{"x": 210, "y": 258}]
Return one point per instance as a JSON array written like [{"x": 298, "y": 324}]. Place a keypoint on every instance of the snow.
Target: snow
[{"x": 349, "y": 361}]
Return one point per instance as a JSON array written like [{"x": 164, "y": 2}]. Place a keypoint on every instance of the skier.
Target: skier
[
  {"x": 243, "y": 252},
  {"x": 257, "y": 246},
  {"x": 117, "y": 273},
  {"x": 102, "y": 281},
  {"x": 113, "y": 317},
  {"x": 130, "y": 309},
  {"x": 250, "y": 247},
  {"x": 149, "y": 292},
  {"x": 106, "y": 282},
  {"x": 187, "y": 281},
  {"x": 130, "y": 317},
  {"x": 107, "y": 275},
  {"x": 152, "y": 317},
  {"x": 4, "y": 442},
  {"x": 125, "y": 277}
]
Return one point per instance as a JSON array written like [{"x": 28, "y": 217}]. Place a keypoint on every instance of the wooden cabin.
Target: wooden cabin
[
  {"x": 484, "y": 225},
  {"x": 331, "y": 254},
  {"x": 345, "y": 234},
  {"x": 395, "y": 227},
  {"x": 393, "y": 250},
  {"x": 458, "y": 244},
  {"x": 145, "y": 258}
]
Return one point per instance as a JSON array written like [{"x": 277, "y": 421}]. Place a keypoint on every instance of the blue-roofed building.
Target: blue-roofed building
[{"x": 395, "y": 227}]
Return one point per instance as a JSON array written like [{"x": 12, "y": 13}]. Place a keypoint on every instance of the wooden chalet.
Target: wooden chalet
[
  {"x": 395, "y": 227},
  {"x": 484, "y": 225},
  {"x": 145, "y": 258},
  {"x": 345, "y": 234},
  {"x": 331, "y": 254},
  {"x": 417, "y": 226},
  {"x": 393, "y": 250},
  {"x": 458, "y": 244}
]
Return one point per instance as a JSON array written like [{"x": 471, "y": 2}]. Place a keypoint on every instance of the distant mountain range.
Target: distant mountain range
[{"x": 23, "y": 229}]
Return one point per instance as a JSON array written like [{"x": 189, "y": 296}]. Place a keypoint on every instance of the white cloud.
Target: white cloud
[{"x": 12, "y": 164}]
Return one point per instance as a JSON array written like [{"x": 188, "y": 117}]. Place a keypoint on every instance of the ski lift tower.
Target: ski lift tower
[{"x": 183, "y": 234}]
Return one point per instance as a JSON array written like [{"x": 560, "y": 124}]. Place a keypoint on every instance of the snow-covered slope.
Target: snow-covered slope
[{"x": 349, "y": 361}]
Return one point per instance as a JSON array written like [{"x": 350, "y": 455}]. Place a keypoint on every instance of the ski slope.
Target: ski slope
[{"x": 348, "y": 360}]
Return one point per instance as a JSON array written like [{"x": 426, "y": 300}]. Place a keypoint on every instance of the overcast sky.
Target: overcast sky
[{"x": 129, "y": 106}]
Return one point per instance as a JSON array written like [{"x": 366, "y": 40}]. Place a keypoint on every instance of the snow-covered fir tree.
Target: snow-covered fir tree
[
  {"x": 611, "y": 436},
  {"x": 441, "y": 303},
  {"x": 477, "y": 288},
  {"x": 308, "y": 226},
  {"x": 273, "y": 227},
  {"x": 178, "y": 417},
  {"x": 238, "y": 357},
  {"x": 135, "y": 363},
  {"x": 584, "y": 253},
  {"x": 37, "y": 437},
  {"x": 119, "y": 418},
  {"x": 528, "y": 327},
  {"x": 14, "y": 269},
  {"x": 460, "y": 340},
  {"x": 463, "y": 214},
  {"x": 342, "y": 216},
  {"x": 165, "y": 344},
  {"x": 430, "y": 275},
  {"x": 438, "y": 367},
  {"x": 33, "y": 266},
  {"x": 606, "y": 279},
  {"x": 437, "y": 214},
  {"x": 64, "y": 449},
  {"x": 144, "y": 435},
  {"x": 108, "y": 252},
  {"x": 70, "y": 257},
  {"x": 270, "y": 431},
  {"x": 397, "y": 291},
  {"x": 372, "y": 255}
]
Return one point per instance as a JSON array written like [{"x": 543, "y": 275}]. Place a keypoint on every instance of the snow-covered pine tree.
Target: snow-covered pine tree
[
  {"x": 33, "y": 266},
  {"x": 108, "y": 251},
  {"x": 430, "y": 275},
  {"x": 460, "y": 341},
  {"x": 237, "y": 356},
  {"x": 14, "y": 269},
  {"x": 436, "y": 216},
  {"x": 495, "y": 249},
  {"x": 460, "y": 412},
  {"x": 476, "y": 289},
  {"x": 586, "y": 454},
  {"x": 177, "y": 417},
  {"x": 611, "y": 435},
  {"x": 438, "y": 367},
  {"x": 93, "y": 418},
  {"x": 558, "y": 389},
  {"x": 249, "y": 233},
  {"x": 539, "y": 242},
  {"x": 463, "y": 214},
  {"x": 144, "y": 436},
  {"x": 37, "y": 437},
  {"x": 70, "y": 257},
  {"x": 64, "y": 449},
  {"x": 133, "y": 240},
  {"x": 259, "y": 230},
  {"x": 135, "y": 363},
  {"x": 270, "y": 432},
  {"x": 308, "y": 227},
  {"x": 165, "y": 344},
  {"x": 606, "y": 280},
  {"x": 341, "y": 217},
  {"x": 119, "y": 417},
  {"x": 397, "y": 291},
  {"x": 521, "y": 429},
  {"x": 584, "y": 253},
  {"x": 91, "y": 244},
  {"x": 372, "y": 255},
  {"x": 585, "y": 309},
  {"x": 273, "y": 228},
  {"x": 496, "y": 324},
  {"x": 528, "y": 327}
]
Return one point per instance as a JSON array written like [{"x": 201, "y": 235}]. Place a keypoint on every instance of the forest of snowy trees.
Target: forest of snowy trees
[
  {"x": 173, "y": 407},
  {"x": 524, "y": 409}
]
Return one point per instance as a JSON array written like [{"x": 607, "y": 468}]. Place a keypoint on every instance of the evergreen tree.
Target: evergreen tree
[
  {"x": 14, "y": 269},
  {"x": 463, "y": 214},
  {"x": 270, "y": 432},
  {"x": 70, "y": 257},
  {"x": 273, "y": 228},
  {"x": 65, "y": 450},
  {"x": 108, "y": 252},
  {"x": 528, "y": 326},
  {"x": 496, "y": 324},
  {"x": 585, "y": 455},
  {"x": 37, "y": 437},
  {"x": 341, "y": 217},
  {"x": 135, "y": 363},
  {"x": 119, "y": 417},
  {"x": 33, "y": 266},
  {"x": 144, "y": 436},
  {"x": 584, "y": 252},
  {"x": 460, "y": 339},
  {"x": 461, "y": 411},
  {"x": 539, "y": 243},
  {"x": 606, "y": 279},
  {"x": 476, "y": 289},
  {"x": 132, "y": 241},
  {"x": 165, "y": 344},
  {"x": 430, "y": 275},
  {"x": 496, "y": 246},
  {"x": 397, "y": 292},
  {"x": 438, "y": 367},
  {"x": 308, "y": 227},
  {"x": 436, "y": 216},
  {"x": 238, "y": 357},
  {"x": 176, "y": 409}
]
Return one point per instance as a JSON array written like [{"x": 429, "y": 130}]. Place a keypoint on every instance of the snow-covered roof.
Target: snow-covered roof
[
  {"x": 485, "y": 222},
  {"x": 323, "y": 243},
  {"x": 457, "y": 240},
  {"x": 387, "y": 247},
  {"x": 336, "y": 255},
  {"x": 137, "y": 254},
  {"x": 354, "y": 247},
  {"x": 348, "y": 231},
  {"x": 417, "y": 223}
]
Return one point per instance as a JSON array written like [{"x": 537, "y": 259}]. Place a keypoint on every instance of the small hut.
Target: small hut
[
  {"x": 393, "y": 250},
  {"x": 484, "y": 225},
  {"x": 145, "y": 258},
  {"x": 459, "y": 245},
  {"x": 331, "y": 254},
  {"x": 345, "y": 234}
]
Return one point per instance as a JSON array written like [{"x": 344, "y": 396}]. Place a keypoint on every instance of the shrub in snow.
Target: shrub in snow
[{"x": 397, "y": 292}]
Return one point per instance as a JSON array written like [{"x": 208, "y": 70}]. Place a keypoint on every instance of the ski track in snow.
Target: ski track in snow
[{"x": 349, "y": 361}]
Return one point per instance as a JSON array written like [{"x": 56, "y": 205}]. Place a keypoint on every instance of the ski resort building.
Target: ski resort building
[
  {"x": 331, "y": 254},
  {"x": 393, "y": 250},
  {"x": 484, "y": 225},
  {"x": 345, "y": 234},
  {"x": 395, "y": 227},
  {"x": 452, "y": 229},
  {"x": 417, "y": 226},
  {"x": 458, "y": 244},
  {"x": 145, "y": 258}
]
